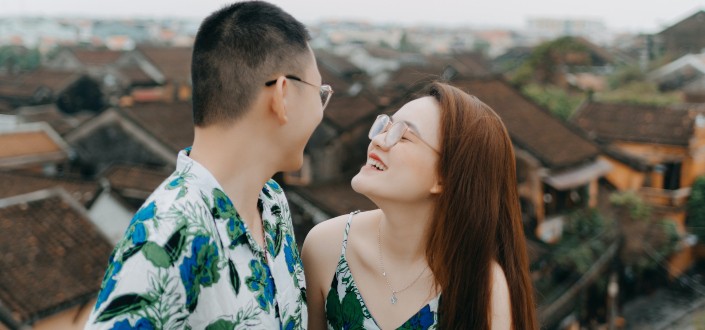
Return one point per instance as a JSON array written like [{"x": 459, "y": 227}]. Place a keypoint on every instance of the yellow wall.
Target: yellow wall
[
  {"x": 184, "y": 93},
  {"x": 680, "y": 262},
  {"x": 693, "y": 167},
  {"x": 653, "y": 153},
  {"x": 624, "y": 177},
  {"x": 693, "y": 157},
  {"x": 593, "y": 190},
  {"x": 169, "y": 93},
  {"x": 74, "y": 318},
  {"x": 532, "y": 188},
  {"x": 674, "y": 214}
]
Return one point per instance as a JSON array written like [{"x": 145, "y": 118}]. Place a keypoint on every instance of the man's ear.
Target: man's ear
[{"x": 279, "y": 106}]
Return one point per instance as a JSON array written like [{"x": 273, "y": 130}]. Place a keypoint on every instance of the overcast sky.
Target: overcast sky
[{"x": 626, "y": 15}]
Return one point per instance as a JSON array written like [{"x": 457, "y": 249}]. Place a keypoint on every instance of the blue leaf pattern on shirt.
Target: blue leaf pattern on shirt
[
  {"x": 199, "y": 269},
  {"x": 183, "y": 248},
  {"x": 423, "y": 320},
  {"x": 145, "y": 213},
  {"x": 261, "y": 282},
  {"x": 173, "y": 184},
  {"x": 290, "y": 254},
  {"x": 108, "y": 282},
  {"x": 142, "y": 324},
  {"x": 139, "y": 234}
]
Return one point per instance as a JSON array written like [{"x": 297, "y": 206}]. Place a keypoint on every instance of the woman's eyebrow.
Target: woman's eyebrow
[{"x": 412, "y": 127}]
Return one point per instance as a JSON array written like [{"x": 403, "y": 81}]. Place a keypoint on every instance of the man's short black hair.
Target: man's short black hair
[{"x": 236, "y": 49}]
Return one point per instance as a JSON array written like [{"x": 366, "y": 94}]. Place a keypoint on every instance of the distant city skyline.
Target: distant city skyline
[{"x": 620, "y": 15}]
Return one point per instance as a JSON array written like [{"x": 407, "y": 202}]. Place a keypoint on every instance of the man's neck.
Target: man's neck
[{"x": 236, "y": 160}]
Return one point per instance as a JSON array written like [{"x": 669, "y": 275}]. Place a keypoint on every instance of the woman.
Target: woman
[{"x": 446, "y": 247}]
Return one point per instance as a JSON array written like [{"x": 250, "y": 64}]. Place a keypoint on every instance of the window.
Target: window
[
  {"x": 672, "y": 176},
  {"x": 563, "y": 201}
]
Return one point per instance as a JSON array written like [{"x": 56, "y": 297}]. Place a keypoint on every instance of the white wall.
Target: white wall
[{"x": 110, "y": 216}]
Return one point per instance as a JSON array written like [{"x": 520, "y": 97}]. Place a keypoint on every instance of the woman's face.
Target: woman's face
[{"x": 405, "y": 171}]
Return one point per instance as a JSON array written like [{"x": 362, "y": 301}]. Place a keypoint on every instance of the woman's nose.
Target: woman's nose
[{"x": 378, "y": 141}]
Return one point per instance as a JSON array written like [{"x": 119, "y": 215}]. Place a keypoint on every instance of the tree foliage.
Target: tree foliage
[
  {"x": 14, "y": 58},
  {"x": 560, "y": 102},
  {"x": 548, "y": 60},
  {"x": 696, "y": 209},
  {"x": 638, "y": 92},
  {"x": 648, "y": 241},
  {"x": 583, "y": 241}
]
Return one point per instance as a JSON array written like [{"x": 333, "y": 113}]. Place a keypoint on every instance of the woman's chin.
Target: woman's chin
[
  {"x": 356, "y": 183},
  {"x": 362, "y": 183}
]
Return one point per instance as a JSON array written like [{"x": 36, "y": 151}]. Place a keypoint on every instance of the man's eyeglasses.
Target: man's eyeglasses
[
  {"x": 395, "y": 131},
  {"x": 325, "y": 90}
]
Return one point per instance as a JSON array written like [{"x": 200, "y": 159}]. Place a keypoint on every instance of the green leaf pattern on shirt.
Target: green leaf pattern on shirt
[{"x": 187, "y": 255}]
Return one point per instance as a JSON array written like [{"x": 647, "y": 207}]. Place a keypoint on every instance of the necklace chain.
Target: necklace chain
[{"x": 394, "y": 298}]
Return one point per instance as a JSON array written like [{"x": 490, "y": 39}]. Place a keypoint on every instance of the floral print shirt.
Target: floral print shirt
[
  {"x": 345, "y": 308},
  {"x": 188, "y": 261}
]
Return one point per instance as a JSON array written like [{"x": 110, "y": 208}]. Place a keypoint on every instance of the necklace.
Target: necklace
[{"x": 394, "y": 298}]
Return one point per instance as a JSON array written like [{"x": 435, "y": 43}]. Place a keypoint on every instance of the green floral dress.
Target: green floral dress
[
  {"x": 188, "y": 261},
  {"x": 345, "y": 308}
]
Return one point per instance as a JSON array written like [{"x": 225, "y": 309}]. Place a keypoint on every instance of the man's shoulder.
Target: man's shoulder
[
  {"x": 272, "y": 187},
  {"x": 274, "y": 192},
  {"x": 181, "y": 191},
  {"x": 171, "y": 207}
]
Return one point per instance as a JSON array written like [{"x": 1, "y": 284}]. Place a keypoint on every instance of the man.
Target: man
[{"x": 213, "y": 246}]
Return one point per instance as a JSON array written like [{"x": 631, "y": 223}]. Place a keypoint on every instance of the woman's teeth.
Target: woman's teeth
[{"x": 376, "y": 164}]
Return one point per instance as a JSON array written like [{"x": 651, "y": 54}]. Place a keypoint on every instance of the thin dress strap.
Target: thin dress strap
[{"x": 347, "y": 230}]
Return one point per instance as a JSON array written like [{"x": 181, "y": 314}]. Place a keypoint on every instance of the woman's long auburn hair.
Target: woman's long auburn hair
[{"x": 477, "y": 218}]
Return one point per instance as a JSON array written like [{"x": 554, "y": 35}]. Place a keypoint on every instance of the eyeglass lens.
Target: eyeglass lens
[{"x": 394, "y": 133}]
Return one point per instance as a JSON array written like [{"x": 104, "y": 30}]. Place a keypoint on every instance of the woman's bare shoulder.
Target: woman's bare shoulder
[
  {"x": 325, "y": 240},
  {"x": 501, "y": 305}
]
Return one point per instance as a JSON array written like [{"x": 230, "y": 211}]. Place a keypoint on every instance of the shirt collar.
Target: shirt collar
[{"x": 207, "y": 182}]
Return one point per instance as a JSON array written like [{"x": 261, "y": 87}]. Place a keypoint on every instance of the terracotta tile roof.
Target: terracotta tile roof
[
  {"x": 417, "y": 75},
  {"x": 25, "y": 85},
  {"x": 606, "y": 122},
  {"x": 474, "y": 63},
  {"x": 412, "y": 77},
  {"x": 15, "y": 91},
  {"x": 470, "y": 64},
  {"x": 49, "y": 113},
  {"x": 6, "y": 107},
  {"x": 348, "y": 105},
  {"x": 129, "y": 142},
  {"x": 96, "y": 57},
  {"x": 170, "y": 123},
  {"x": 135, "y": 180},
  {"x": 17, "y": 183},
  {"x": 136, "y": 75},
  {"x": 336, "y": 64},
  {"x": 173, "y": 62},
  {"x": 381, "y": 52},
  {"x": 53, "y": 257},
  {"x": 346, "y": 111},
  {"x": 335, "y": 199},
  {"x": 31, "y": 143},
  {"x": 339, "y": 84},
  {"x": 685, "y": 24},
  {"x": 532, "y": 128}
]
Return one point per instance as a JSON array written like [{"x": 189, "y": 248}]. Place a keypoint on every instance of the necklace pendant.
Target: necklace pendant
[{"x": 394, "y": 299}]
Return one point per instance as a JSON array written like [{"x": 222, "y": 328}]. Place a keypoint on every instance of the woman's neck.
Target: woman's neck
[{"x": 403, "y": 230}]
